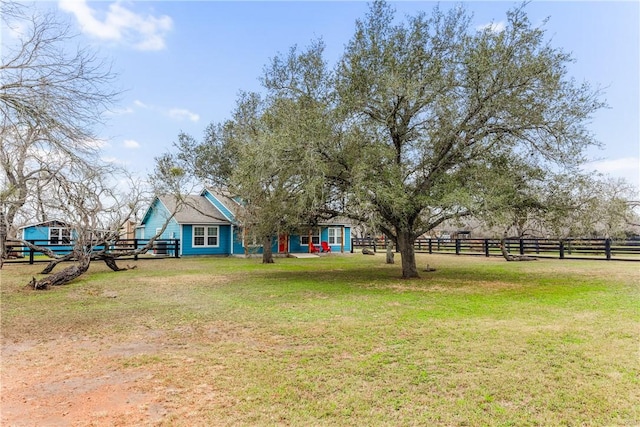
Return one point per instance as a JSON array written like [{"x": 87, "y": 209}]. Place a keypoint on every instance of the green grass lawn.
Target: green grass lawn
[{"x": 342, "y": 340}]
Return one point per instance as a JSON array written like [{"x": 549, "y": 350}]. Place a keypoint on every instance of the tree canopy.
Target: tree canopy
[
  {"x": 416, "y": 119},
  {"x": 436, "y": 104}
]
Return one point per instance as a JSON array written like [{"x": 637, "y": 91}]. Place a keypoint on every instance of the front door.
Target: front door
[{"x": 283, "y": 243}]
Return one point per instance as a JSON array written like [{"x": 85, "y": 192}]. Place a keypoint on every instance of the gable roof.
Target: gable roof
[
  {"x": 232, "y": 206},
  {"x": 196, "y": 210}
]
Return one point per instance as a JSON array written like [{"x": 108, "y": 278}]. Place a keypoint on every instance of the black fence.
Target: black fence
[
  {"x": 606, "y": 249},
  {"x": 162, "y": 248}
]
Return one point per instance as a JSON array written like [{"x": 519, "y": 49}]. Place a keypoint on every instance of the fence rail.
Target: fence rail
[
  {"x": 16, "y": 251},
  {"x": 607, "y": 249}
]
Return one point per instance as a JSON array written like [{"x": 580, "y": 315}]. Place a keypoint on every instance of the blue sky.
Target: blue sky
[{"x": 183, "y": 63}]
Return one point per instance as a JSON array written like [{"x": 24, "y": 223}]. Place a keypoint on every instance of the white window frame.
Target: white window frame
[
  {"x": 250, "y": 241},
  {"x": 336, "y": 239},
  {"x": 206, "y": 235},
  {"x": 63, "y": 238},
  {"x": 315, "y": 238}
]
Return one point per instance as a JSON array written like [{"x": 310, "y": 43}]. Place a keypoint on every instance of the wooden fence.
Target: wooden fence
[
  {"x": 162, "y": 248},
  {"x": 606, "y": 249}
]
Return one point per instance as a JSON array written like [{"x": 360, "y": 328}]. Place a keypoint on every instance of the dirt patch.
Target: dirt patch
[{"x": 69, "y": 382}]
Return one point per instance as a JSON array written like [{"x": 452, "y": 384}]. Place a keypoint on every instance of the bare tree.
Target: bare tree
[
  {"x": 95, "y": 213},
  {"x": 52, "y": 95}
]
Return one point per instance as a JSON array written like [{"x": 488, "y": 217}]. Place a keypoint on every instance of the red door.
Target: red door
[{"x": 283, "y": 243}]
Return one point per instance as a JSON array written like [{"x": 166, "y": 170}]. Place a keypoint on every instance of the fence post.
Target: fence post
[
  {"x": 607, "y": 249},
  {"x": 486, "y": 247},
  {"x": 177, "y": 248},
  {"x": 537, "y": 246},
  {"x": 31, "y": 251},
  {"x": 457, "y": 246},
  {"x": 561, "y": 249},
  {"x": 430, "y": 246},
  {"x": 521, "y": 246},
  {"x": 352, "y": 245},
  {"x": 135, "y": 248}
]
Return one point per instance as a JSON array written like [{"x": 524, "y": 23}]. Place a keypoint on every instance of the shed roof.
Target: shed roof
[{"x": 51, "y": 223}]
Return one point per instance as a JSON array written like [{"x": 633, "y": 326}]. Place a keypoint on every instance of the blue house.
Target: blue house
[
  {"x": 208, "y": 224},
  {"x": 55, "y": 235},
  {"x": 54, "y": 232}
]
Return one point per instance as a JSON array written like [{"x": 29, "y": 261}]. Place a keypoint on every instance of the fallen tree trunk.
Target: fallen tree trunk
[
  {"x": 54, "y": 262},
  {"x": 63, "y": 276},
  {"x": 110, "y": 260}
]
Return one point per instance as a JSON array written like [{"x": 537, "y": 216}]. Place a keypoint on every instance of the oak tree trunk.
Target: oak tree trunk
[
  {"x": 405, "y": 246},
  {"x": 267, "y": 252}
]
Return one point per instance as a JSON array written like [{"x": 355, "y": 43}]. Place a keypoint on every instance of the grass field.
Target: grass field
[{"x": 339, "y": 340}]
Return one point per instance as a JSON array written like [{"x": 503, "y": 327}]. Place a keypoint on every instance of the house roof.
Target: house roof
[
  {"x": 227, "y": 200},
  {"x": 51, "y": 223},
  {"x": 338, "y": 220},
  {"x": 196, "y": 210}
]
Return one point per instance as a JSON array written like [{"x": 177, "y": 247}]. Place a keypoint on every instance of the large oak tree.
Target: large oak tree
[{"x": 431, "y": 102}]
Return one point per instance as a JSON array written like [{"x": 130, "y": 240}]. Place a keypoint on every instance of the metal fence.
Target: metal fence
[
  {"x": 606, "y": 249},
  {"x": 162, "y": 248}
]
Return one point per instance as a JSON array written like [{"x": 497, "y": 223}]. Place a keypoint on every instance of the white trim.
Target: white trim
[
  {"x": 205, "y": 236},
  {"x": 206, "y": 190},
  {"x": 335, "y": 243},
  {"x": 149, "y": 209},
  {"x": 319, "y": 236},
  {"x": 60, "y": 236},
  {"x": 181, "y": 239},
  {"x": 41, "y": 223}
]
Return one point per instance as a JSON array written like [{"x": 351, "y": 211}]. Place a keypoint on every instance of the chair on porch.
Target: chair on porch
[
  {"x": 325, "y": 247},
  {"x": 313, "y": 248}
]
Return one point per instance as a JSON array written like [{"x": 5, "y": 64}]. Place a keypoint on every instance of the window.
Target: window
[
  {"x": 205, "y": 235},
  {"x": 315, "y": 238},
  {"x": 335, "y": 235},
  {"x": 59, "y": 236},
  {"x": 250, "y": 241}
]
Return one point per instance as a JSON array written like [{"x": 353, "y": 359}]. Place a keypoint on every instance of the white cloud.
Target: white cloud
[
  {"x": 615, "y": 165},
  {"x": 624, "y": 167},
  {"x": 495, "y": 27},
  {"x": 119, "y": 111},
  {"x": 120, "y": 25},
  {"x": 111, "y": 159},
  {"x": 97, "y": 143},
  {"x": 14, "y": 29},
  {"x": 173, "y": 113},
  {"x": 130, "y": 144},
  {"x": 181, "y": 114}
]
